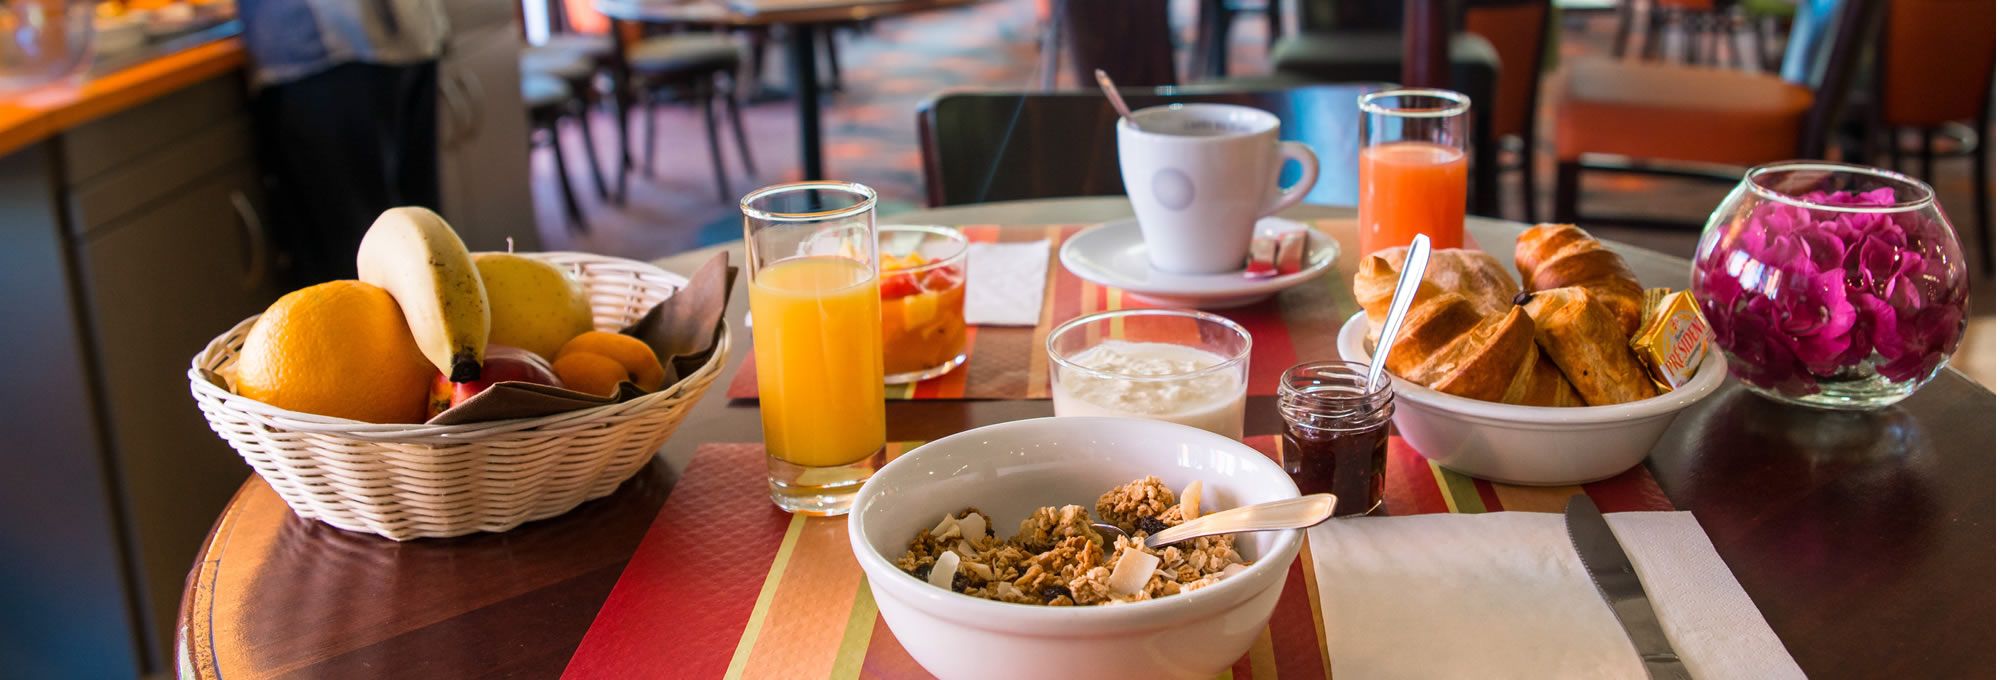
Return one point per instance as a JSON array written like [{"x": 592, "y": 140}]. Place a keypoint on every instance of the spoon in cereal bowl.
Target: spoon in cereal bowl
[{"x": 1290, "y": 513}]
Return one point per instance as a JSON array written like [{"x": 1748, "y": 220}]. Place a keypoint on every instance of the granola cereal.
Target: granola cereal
[{"x": 1056, "y": 558}]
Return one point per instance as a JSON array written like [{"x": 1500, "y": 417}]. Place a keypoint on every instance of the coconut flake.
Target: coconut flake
[
  {"x": 1231, "y": 570},
  {"x": 944, "y": 526},
  {"x": 985, "y": 573},
  {"x": 1191, "y": 501},
  {"x": 974, "y": 525},
  {"x": 946, "y": 567},
  {"x": 1133, "y": 569},
  {"x": 966, "y": 547}
]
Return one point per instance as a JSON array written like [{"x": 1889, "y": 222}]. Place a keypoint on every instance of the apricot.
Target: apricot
[{"x": 597, "y": 361}]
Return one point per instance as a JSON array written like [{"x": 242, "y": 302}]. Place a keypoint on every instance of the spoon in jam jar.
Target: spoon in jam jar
[{"x": 1290, "y": 513}]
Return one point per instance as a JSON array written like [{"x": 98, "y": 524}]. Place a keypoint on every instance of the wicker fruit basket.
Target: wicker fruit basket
[{"x": 434, "y": 481}]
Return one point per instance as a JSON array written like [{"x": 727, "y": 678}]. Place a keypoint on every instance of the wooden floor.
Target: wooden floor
[{"x": 871, "y": 138}]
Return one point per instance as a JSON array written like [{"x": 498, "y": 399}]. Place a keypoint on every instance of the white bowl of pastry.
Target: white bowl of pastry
[
  {"x": 1532, "y": 445},
  {"x": 1541, "y": 389}
]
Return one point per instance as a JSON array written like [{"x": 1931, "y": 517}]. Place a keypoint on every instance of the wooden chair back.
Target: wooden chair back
[
  {"x": 1935, "y": 61},
  {"x": 997, "y": 146},
  {"x": 1132, "y": 40}
]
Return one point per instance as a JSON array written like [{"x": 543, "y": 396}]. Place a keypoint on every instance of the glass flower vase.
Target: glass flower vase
[{"x": 1832, "y": 285}]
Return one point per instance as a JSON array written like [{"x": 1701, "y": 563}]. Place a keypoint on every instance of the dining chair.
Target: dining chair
[
  {"x": 701, "y": 68},
  {"x": 1328, "y": 50},
  {"x": 1131, "y": 40},
  {"x": 981, "y": 146},
  {"x": 578, "y": 71},
  {"x": 549, "y": 100},
  {"x": 1934, "y": 67},
  {"x": 1659, "y": 117},
  {"x": 1214, "y": 20},
  {"x": 1518, "y": 31}
]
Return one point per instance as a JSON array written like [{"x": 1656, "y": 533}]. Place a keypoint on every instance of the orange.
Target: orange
[
  {"x": 627, "y": 356},
  {"x": 339, "y": 349}
]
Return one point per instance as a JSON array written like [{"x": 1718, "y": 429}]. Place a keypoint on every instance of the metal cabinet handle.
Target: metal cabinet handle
[{"x": 257, "y": 267}]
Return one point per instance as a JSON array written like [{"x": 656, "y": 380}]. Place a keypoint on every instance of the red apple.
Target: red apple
[{"x": 503, "y": 364}]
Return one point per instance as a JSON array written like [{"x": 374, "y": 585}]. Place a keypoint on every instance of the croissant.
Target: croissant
[
  {"x": 1471, "y": 273},
  {"x": 1584, "y": 340},
  {"x": 1448, "y": 346},
  {"x": 1557, "y": 255}
]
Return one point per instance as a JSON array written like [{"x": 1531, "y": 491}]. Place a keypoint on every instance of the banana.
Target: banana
[{"x": 413, "y": 254}]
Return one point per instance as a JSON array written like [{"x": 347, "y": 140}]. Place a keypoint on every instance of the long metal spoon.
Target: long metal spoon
[
  {"x": 1399, "y": 305},
  {"x": 1291, "y": 513},
  {"x": 1117, "y": 102}
]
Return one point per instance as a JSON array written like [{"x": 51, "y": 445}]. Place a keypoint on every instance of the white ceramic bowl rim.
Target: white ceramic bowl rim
[
  {"x": 1353, "y": 336},
  {"x": 1062, "y": 621}
]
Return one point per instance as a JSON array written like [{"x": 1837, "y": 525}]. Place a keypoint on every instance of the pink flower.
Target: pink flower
[{"x": 1795, "y": 294}]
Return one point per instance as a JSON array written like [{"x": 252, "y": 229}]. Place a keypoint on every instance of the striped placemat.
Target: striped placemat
[
  {"x": 726, "y": 585},
  {"x": 1299, "y": 324}
]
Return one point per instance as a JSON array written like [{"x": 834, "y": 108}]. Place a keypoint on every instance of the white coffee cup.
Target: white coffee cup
[{"x": 1200, "y": 175}]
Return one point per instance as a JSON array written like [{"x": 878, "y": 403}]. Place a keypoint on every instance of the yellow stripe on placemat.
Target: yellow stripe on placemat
[
  {"x": 1312, "y": 598},
  {"x": 1263, "y": 661},
  {"x": 806, "y": 623},
  {"x": 1535, "y": 498},
  {"x": 764, "y": 597},
  {"x": 854, "y": 642},
  {"x": 1457, "y": 490}
]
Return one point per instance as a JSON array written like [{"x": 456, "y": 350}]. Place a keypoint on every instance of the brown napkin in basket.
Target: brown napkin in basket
[{"x": 682, "y": 330}]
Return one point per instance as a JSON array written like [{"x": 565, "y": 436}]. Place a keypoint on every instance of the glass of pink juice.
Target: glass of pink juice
[{"x": 1413, "y": 168}]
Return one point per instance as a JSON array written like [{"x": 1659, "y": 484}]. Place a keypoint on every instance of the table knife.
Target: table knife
[{"x": 1611, "y": 571}]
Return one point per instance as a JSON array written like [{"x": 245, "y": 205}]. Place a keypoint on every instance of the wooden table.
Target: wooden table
[
  {"x": 1867, "y": 540},
  {"x": 804, "y": 20}
]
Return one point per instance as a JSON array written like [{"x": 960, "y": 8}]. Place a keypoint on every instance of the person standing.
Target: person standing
[{"x": 346, "y": 111}]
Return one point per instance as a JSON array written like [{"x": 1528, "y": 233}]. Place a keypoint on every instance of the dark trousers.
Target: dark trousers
[{"x": 341, "y": 146}]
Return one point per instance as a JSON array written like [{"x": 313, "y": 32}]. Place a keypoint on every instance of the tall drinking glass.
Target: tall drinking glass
[
  {"x": 816, "y": 323},
  {"x": 1413, "y": 166}
]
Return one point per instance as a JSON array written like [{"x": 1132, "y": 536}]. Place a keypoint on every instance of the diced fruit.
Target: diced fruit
[
  {"x": 919, "y": 309},
  {"x": 503, "y": 364},
  {"x": 941, "y": 278},
  {"x": 896, "y": 286},
  {"x": 892, "y": 263},
  {"x": 340, "y": 349}
]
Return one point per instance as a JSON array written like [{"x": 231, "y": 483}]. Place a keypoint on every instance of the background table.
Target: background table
[
  {"x": 1867, "y": 540},
  {"x": 804, "y": 19}
]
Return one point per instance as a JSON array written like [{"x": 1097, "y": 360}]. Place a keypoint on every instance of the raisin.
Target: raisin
[
  {"x": 1150, "y": 525},
  {"x": 958, "y": 582},
  {"x": 923, "y": 573},
  {"x": 1052, "y": 592}
]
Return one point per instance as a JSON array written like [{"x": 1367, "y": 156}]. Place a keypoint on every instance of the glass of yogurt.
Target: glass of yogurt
[{"x": 1179, "y": 366}]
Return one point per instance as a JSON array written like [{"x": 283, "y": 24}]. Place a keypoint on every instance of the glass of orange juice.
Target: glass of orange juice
[
  {"x": 1413, "y": 165},
  {"x": 816, "y": 324}
]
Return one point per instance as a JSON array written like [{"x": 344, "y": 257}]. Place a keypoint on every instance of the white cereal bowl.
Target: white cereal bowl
[
  {"x": 1532, "y": 445},
  {"x": 1006, "y": 471}
]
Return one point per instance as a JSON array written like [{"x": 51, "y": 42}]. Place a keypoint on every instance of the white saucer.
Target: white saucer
[{"x": 1113, "y": 254}]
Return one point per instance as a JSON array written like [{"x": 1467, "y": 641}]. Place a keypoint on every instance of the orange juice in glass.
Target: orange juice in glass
[
  {"x": 815, "y": 310},
  {"x": 923, "y": 302},
  {"x": 1413, "y": 168}
]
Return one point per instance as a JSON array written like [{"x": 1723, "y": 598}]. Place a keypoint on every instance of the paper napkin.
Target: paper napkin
[
  {"x": 1005, "y": 283},
  {"x": 1503, "y": 595}
]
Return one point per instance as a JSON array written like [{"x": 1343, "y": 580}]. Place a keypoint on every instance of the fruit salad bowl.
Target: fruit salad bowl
[{"x": 405, "y": 481}]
